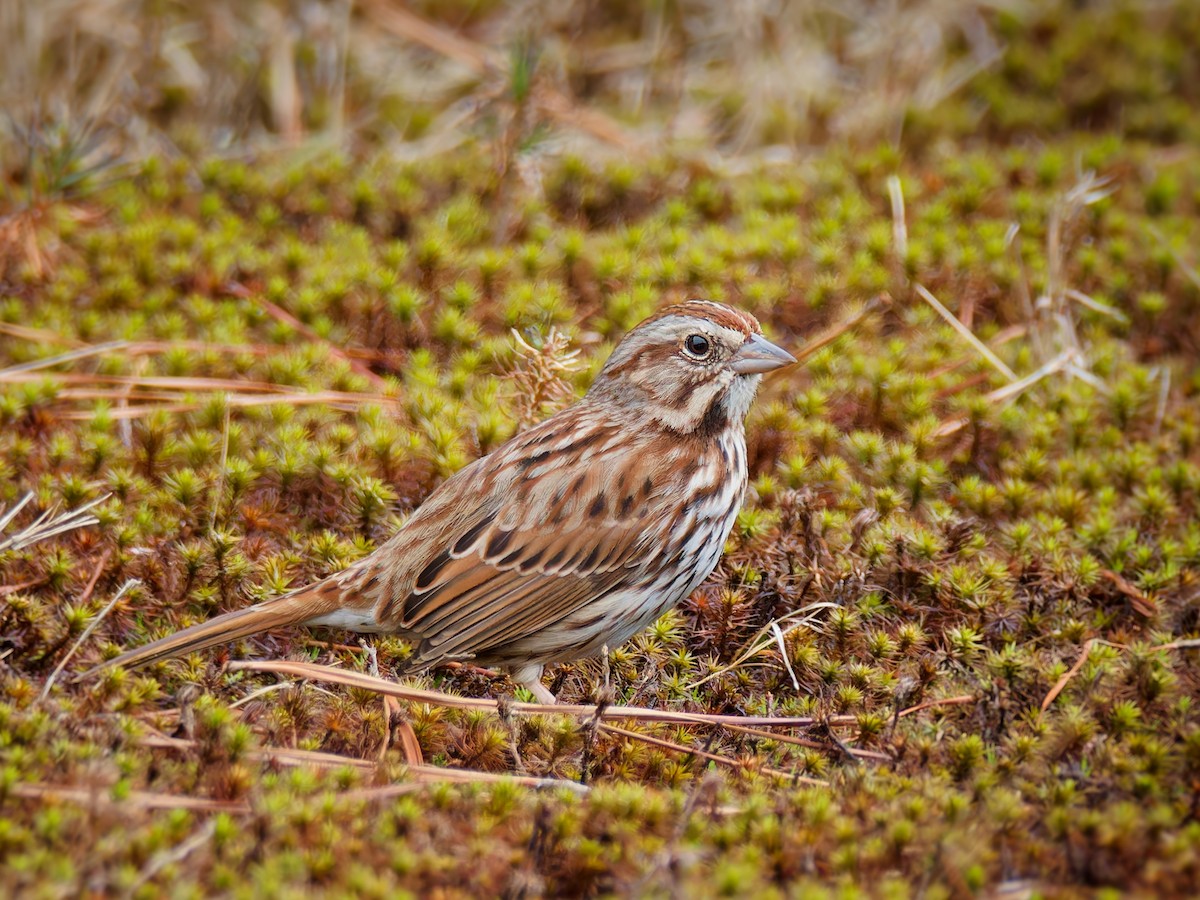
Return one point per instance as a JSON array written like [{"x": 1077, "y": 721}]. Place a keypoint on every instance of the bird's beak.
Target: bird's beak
[{"x": 759, "y": 355}]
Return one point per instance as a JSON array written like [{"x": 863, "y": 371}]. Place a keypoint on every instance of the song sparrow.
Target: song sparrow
[{"x": 573, "y": 535}]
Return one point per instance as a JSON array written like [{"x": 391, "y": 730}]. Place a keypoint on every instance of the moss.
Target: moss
[{"x": 936, "y": 554}]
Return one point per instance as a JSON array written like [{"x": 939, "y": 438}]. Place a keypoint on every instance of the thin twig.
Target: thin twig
[
  {"x": 705, "y": 754},
  {"x": 437, "y": 698},
  {"x": 1185, "y": 644},
  {"x": 961, "y": 700},
  {"x": 803, "y": 742},
  {"x": 1068, "y": 675}
]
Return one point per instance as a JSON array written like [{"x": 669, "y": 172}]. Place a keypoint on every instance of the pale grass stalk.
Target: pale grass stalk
[
  {"x": 1184, "y": 266},
  {"x": 40, "y": 335},
  {"x": 712, "y": 757},
  {"x": 220, "y": 487},
  {"x": 171, "y": 856},
  {"x": 1096, "y": 306},
  {"x": 1010, "y": 391},
  {"x": 1084, "y": 375},
  {"x": 49, "y": 524},
  {"x": 101, "y": 796},
  {"x": 87, "y": 632},
  {"x": 70, "y": 356},
  {"x": 787, "y": 663},
  {"x": 899, "y": 223},
  {"x": 1185, "y": 644},
  {"x": 765, "y": 638},
  {"x": 1164, "y": 394},
  {"x": 262, "y": 691},
  {"x": 966, "y": 334}
]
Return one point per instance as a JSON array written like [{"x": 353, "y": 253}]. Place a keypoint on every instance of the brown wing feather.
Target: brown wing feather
[{"x": 480, "y": 599}]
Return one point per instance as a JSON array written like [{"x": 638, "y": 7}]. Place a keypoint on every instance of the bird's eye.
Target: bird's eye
[{"x": 697, "y": 345}]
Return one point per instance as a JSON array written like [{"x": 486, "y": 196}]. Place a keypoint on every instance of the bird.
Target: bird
[{"x": 569, "y": 538}]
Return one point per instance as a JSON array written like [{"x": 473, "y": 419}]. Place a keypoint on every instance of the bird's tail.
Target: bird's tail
[{"x": 310, "y": 604}]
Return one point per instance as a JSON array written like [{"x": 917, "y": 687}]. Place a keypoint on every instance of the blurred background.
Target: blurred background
[{"x": 108, "y": 80}]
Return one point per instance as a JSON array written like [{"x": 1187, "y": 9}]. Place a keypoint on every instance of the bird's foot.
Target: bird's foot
[{"x": 531, "y": 677}]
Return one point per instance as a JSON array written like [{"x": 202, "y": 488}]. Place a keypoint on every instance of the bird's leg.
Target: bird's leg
[
  {"x": 530, "y": 676},
  {"x": 372, "y": 656}
]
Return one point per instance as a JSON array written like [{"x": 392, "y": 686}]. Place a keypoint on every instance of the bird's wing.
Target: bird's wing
[{"x": 505, "y": 585}]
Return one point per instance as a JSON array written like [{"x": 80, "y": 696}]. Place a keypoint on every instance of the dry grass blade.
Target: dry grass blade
[
  {"x": 436, "y": 698},
  {"x": 173, "y": 855},
  {"x": 1068, "y": 675},
  {"x": 979, "y": 346},
  {"x": 410, "y": 747},
  {"x": 1141, "y": 602},
  {"x": 899, "y": 220},
  {"x": 6, "y": 516},
  {"x": 1096, "y": 306},
  {"x": 705, "y": 754},
  {"x": 1010, "y": 391},
  {"x": 39, "y": 335},
  {"x": 471, "y": 776},
  {"x": 87, "y": 632},
  {"x": 280, "y": 314},
  {"x": 284, "y": 756},
  {"x": 765, "y": 638},
  {"x": 825, "y": 338},
  {"x": 290, "y": 756},
  {"x": 50, "y": 362},
  {"x": 805, "y": 742},
  {"x": 96, "y": 796},
  {"x": 48, "y": 524}
]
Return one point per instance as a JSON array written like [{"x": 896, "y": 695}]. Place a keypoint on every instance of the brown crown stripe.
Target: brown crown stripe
[{"x": 724, "y": 316}]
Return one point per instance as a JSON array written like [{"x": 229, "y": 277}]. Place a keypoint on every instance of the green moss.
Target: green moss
[{"x": 917, "y": 536}]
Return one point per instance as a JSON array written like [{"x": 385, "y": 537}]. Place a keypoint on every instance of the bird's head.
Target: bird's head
[{"x": 693, "y": 367}]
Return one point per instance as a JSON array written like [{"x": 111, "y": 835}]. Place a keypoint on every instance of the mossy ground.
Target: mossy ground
[{"x": 305, "y": 346}]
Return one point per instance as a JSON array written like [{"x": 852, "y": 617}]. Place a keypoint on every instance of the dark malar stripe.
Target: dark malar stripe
[{"x": 715, "y": 420}]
